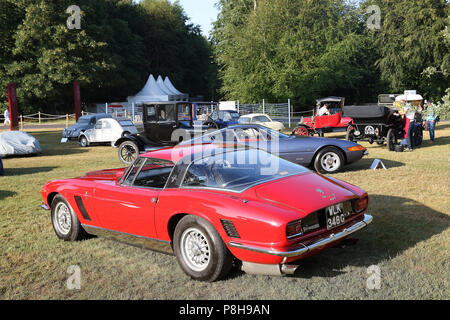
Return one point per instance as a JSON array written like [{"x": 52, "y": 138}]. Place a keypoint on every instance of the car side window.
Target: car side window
[
  {"x": 195, "y": 176},
  {"x": 92, "y": 122},
  {"x": 151, "y": 114},
  {"x": 214, "y": 116},
  {"x": 226, "y": 116},
  {"x": 166, "y": 113},
  {"x": 261, "y": 119},
  {"x": 106, "y": 125},
  {"x": 133, "y": 171},
  {"x": 154, "y": 173},
  {"x": 99, "y": 124}
]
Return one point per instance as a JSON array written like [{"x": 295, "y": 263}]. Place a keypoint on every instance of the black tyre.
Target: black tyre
[
  {"x": 418, "y": 137},
  {"x": 128, "y": 152},
  {"x": 83, "y": 141},
  {"x": 65, "y": 222},
  {"x": 391, "y": 139},
  {"x": 329, "y": 160},
  {"x": 200, "y": 250},
  {"x": 350, "y": 136}
]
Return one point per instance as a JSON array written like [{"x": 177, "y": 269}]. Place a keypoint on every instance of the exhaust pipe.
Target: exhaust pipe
[{"x": 268, "y": 269}]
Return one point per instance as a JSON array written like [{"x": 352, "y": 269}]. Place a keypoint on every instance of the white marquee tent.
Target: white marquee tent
[{"x": 158, "y": 90}]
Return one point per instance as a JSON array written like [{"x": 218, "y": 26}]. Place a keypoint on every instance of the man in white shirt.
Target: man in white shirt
[
  {"x": 6, "y": 114},
  {"x": 324, "y": 110}
]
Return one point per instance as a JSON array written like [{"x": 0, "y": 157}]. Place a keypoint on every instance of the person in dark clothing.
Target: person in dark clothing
[{"x": 2, "y": 172}]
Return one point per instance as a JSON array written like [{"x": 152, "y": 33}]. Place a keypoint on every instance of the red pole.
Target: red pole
[
  {"x": 13, "y": 107},
  {"x": 77, "y": 99}
]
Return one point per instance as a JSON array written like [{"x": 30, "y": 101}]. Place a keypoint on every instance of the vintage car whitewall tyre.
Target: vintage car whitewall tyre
[
  {"x": 64, "y": 220},
  {"x": 200, "y": 250},
  {"x": 329, "y": 160}
]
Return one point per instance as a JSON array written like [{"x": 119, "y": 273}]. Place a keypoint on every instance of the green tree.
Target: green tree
[
  {"x": 413, "y": 51},
  {"x": 292, "y": 49},
  {"x": 10, "y": 18},
  {"x": 118, "y": 45}
]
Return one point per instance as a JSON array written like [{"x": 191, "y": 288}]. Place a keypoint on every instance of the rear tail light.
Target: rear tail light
[
  {"x": 294, "y": 229},
  {"x": 361, "y": 204}
]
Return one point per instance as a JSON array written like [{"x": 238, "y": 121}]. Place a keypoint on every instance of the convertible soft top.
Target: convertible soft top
[
  {"x": 330, "y": 99},
  {"x": 373, "y": 111}
]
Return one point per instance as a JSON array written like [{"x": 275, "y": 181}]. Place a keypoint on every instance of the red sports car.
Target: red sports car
[{"x": 212, "y": 206}]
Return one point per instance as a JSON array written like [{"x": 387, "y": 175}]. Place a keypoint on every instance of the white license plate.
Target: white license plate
[
  {"x": 64, "y": 140},
  {"x": 335, "y": 216}
]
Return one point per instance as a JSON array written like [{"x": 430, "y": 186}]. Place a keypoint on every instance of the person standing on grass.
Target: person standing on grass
[
  {"x": 409, "y": 113},
  {"x": 6, "y": 115},
  {"x": 2, "y": 172},
  {"x": 431, "y": 119}
]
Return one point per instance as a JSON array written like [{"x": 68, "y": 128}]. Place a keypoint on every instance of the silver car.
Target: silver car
[{"x": 107, "y": 130}]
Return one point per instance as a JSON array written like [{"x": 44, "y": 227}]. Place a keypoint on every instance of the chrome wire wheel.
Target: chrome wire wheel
[
  {"x": 62, "y": 219},
  {"x": 330, "y": 161},
  {"x": 195, "y": 249}
]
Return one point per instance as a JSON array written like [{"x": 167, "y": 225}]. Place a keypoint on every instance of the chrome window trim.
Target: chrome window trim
[
  {"x": 128, "y": 171},
  {"x": 124, "y": 184}
]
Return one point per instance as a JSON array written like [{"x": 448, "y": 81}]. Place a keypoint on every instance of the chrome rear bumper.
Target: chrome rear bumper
[
  {"x": 303, "y": 249},
  {"x": 44, "y": 206}
]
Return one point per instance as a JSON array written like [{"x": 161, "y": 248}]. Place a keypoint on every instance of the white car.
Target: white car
[
  {"x": 107, "y": 130},
  {"x": 261, "y": 119}
]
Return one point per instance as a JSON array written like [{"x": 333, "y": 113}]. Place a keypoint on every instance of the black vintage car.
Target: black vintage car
[
  {"x": 378, "y": 124},
  {"x": 165, "y": 124}
]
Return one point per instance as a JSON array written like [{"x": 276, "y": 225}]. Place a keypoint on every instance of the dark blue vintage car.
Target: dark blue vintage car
[
  {"x": 223, "y": 118},
  {"x": 84, "y": 123},
  {"x": 325, "y": 155}
]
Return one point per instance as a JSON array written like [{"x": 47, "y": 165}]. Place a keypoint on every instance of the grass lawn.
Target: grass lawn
[{"x": 409, "y": 239}]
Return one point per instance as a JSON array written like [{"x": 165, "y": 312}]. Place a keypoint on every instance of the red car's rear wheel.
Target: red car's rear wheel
[{"x": 200, "y": 250}]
